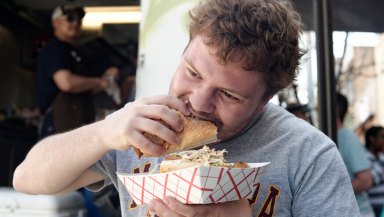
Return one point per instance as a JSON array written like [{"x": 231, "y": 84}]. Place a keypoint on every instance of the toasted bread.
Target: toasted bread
[{"x": 196, "y": 133}]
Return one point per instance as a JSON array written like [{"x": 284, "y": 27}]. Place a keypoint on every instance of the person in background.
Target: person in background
[
  {"x": 64, "y": 91},
  {"x": 374, "y": 142},
  {"x": 354, "y": 157},
  {"x": 300, "y": 111},
  {"x": 240, "y": 54},
  {"x": 364, "y": 126}
]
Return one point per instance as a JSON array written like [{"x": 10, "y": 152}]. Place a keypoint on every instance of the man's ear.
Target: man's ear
[{"x": 55, "y": 23}]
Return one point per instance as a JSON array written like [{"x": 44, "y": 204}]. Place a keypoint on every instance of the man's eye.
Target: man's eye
[
  {"x": 229, "y": 96},
  {"x": 192, "y": 73}
]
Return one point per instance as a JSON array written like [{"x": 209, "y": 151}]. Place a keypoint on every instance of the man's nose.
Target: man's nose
[{"x": 202, "y": 101}]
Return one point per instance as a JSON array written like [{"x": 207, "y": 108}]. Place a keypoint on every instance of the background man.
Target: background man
[
  {"x": 64, "y": 91},
  {"x": 355, "y": 158},
  {"x": 374, "y": 142}
]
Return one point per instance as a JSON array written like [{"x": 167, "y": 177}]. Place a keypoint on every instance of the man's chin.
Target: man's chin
[{"x": 224, "y": 135}]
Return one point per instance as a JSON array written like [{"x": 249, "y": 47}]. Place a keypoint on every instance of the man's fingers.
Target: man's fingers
[
  {"x": 190, "y": 210},
  {"x": 153, "y": 115},
  {"x": 165, "y": 114},
  {"x": 169, "y": 122},
  {"x": 178, "y": 207},
  {"x": 145, "y": 145},
  {"x": 157, "y": 206},
  {"x": 233, "y": 208},
  {"x": 168, "y": 100}
]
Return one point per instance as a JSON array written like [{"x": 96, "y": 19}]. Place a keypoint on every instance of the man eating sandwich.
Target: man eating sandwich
[{"x": 240, "y": 54}]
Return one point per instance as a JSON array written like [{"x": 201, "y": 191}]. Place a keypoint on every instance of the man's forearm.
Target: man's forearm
[
  {"x": 65, "y": 158},
  {"x": 81, "y": 83},
  {"x": 73, "y": 83},
  {"x": 362, "y": 181}
]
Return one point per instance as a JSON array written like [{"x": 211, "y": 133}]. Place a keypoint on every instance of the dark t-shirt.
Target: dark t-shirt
[
  {"x": 55, "y": 55},
  {"x": 69, "y": 110}
]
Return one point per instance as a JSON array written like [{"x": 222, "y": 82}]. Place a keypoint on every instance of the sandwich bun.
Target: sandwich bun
[
  {"x": 171, "y": 165},
  {"x": 196, "y": 132}
]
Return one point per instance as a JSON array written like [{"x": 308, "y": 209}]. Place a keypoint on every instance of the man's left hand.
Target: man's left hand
[{"x": 170, "y": 207}]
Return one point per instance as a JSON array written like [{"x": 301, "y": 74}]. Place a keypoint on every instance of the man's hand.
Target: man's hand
[
  {"x": 112, "y": 72},
  {"x": 109, "y": 77},
  {"x": 155, "y": 115},
  {"x": 170, "y": 207}
]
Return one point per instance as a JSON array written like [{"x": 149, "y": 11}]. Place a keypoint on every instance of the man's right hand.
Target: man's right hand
[
  {"x": 112, "y": 72},
  {"x": 60, "y": 163},
  {"x": 155, "y": 115}
]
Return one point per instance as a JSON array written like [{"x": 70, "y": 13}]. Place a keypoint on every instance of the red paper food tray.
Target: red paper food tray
[{"x": 195, "y": 185}]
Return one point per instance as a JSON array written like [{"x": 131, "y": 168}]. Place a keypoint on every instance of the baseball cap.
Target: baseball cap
[{"x": 67, "y": 10}]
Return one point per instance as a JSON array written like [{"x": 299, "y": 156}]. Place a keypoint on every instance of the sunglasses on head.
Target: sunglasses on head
[{"x": 72, "y": 17}]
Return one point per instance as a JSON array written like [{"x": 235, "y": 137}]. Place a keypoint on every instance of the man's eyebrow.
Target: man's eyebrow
[{"x": 190, "y": 65}]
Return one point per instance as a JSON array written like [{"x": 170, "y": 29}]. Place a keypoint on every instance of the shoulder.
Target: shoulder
[
  {"x": 280, "y": 121},
  {"x": 278, "y": 116},
  {"x": 352, "y": 151},
  {"x": 55, "y": 45},
  {"x": 278, "y": 129},
  {"x": 348, "y": 140}
]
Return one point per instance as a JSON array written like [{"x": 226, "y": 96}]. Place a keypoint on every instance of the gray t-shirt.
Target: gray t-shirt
[{"x": 306, "y": 176}]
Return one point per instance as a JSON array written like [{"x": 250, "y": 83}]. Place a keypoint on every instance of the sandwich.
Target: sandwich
[
  {"x": 196, "y": 133},
  {"x": 201, "y": 157}
]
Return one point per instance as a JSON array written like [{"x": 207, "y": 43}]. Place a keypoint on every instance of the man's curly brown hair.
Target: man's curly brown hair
[{"x": 264, "y": 34}]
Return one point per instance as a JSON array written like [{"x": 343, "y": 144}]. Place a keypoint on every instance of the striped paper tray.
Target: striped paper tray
[{"x": 195, "y": 185}]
